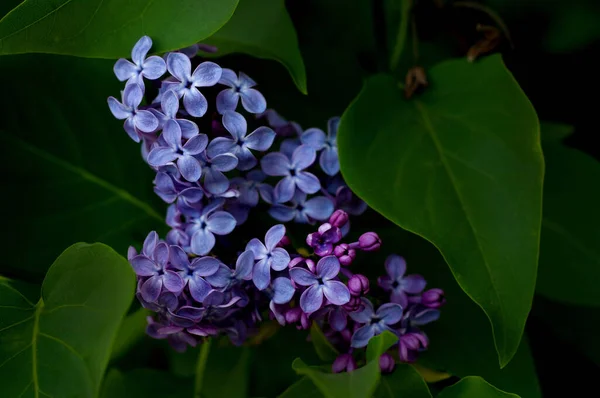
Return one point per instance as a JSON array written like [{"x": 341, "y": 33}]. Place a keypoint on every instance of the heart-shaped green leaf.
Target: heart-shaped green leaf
[
  {"x": 263, "y": 29},
  {"x": 109, "y": 28},
  {"x": 569, "y": 257},
  {"x": 60, "y": 346},
  {"x": 474, "y": 387},
  {"x": 462, "y": 166}
]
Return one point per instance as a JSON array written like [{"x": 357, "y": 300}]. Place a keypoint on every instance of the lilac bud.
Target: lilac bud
[
  {"x": 346, "y": 335},
  {"x": 433, "y": 298},
  {"x": 300, "y": 261},
  {"x": 293, "y": 315},
  {"x": 369, "y": 241},
  {"x": 358, "y": 285},
  {"x": 339, "y": 218},
  {"x": 410, "y": 345},
  {"x": 386, "y": 363},
  {"x": 285, "y": 241},
  {"x": 352, "y": 305},
  {"x": 345, "y": 254},
  {"x": 343, "y": 363}
]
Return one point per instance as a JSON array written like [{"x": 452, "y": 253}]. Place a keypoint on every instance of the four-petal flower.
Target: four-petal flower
[
  {"x": 193, "y": 272},
  {"x": 268, "y": 256},
  {"x": 206, "y": 224},
  {"x": 151, "y": 68},
  {"x": 397, "y": 283},
  {"x": 374, "y": 322},
  {"x": 316, "y": 139},
  {"x": 142, "y": 120},
  {"x": 227, "y": 100},
  {"x": 156, "y": 268}
]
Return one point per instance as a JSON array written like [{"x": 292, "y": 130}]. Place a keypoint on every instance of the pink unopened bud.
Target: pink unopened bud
[
  {"x": 345, "y": 254},
  {"x": 386, "y": 363},
  {"x": 339, "y": 218},
  {"x": 284, "y": 241},
  {"x": 433, "y": 298},
  {"x": 343, "y": 363},
  {"x": 358, "y": 285},
  {"x": 352, "y": 305},
  {"x": 293, "y": 315},
  {"x": 369, "y": 241}
]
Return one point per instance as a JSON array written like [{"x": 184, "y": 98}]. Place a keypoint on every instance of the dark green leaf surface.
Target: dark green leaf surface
[
  {"x": 222, "y": 371},
  {"x": 461, "y": 340},
  {"x": 263, "y": 29},
  {"x": 569, "y": 268},
  {"x": 380, "y": 344},
  {"x": 109, "y": 28},
  {"x": 79, "y": 176},
  {"x": 323, "y": 347},
  {"x": 462, "y": 166},
  {"x": 474, "y": 387},
  {"x": 133, "y": 329},
  {"x": 146, "y": 383},
  {"x": 301, "y": 389},
  {"x": 405, "y": 381},
  {"x": 60, "y": 346}
]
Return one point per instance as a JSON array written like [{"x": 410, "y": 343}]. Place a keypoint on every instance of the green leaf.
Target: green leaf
[
  {"x": 461, "y": 351},
  {"x": 380, "y": 344},
  {"x": 75, "y": 157},
  {"x": 359, "y": 383},
  {"x": 323, "y": 347},
  {"x": 270, "y": 36},
  {"x": 219, "y": 364},
  {"x": 60, "y": 346},
  {"x": 474, "y": 387},
  {"x": 147, "y": 383},
  {"x": 133, "y": 329},
  {"x": 452, "y": 167},
  {"x": 569, "y": 267},
  {"x": 405, "y": 381},
  {"x": 301, "y": 389},
  {"x": 109, "y": 28}
]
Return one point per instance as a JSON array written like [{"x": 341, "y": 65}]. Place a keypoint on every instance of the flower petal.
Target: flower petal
[
  {"x": 285, "y": 188},
  {"x": 244, "y": 265},
  {"x": 413, "y": 284},
  {"x": 143, "y": 266},
  {"x": 199, "y": 288},
  {"x": 395, "y": 266},
  {"x": 227, "y": 100},
  {"x": 424, "y": 317},
  {"x": 245, "y": 157},
  {"x": 332, "y": 128},
  {"x": 140, "y": 50},
  {"x": 319, "y": 208},
  {"x": 280, "y": 259},
  {"x": 154, "y": 67},
  {"x": 220, "y": 223},
  {"x": 150, "y": 243},
  {"x": 194, "y": 102},
  {"x": 311, "y": 299},
  {"x": 220, "y": 278},
  {"x": 118, "y": 110},
  {"x": 307, "y": 182},
  {"x": 314, "y": 138},
  {"x": 205, "y": 266},
  {"x": 161, "y": 155},
  {"x": 282, "y": 213},
  {"x": 189, "y": 129},
  {"x": 361, "y": 337},
  {"x": 169, "y": 104},
  {"x": 179, "y": 258},
  {"x": 329, "y": 161},
  {"x": 303, "y": 157},
  {"x": 228, "y": 78},
  {"x": 196, "y": 144},
  {"x": 338, "y": 319},
  {"x": 253, "y": 101},
  {"x": 275, "y": 164},
  {"x": 161, "y": 254},
  {"x": 236, "y": 124},
  {"x": 274, "y": 236},
  {"x": 303, "y": 277},
  {"x": 245, "y": 81},
  {"x": 173, "y": 282},
  {"x": 365, "y": 313},
  {"x": 328, "y": 267},
  {"x": 189, "y": 168},
  {"x": 179, "y": 65},
  {"x": 336, "y": 292},
  {"x": 150, "y": 289},
  {"x": 133, "y": 95},
  {"x": 260, "y": 139},
  {"x": 398, "y": 296},
  {"x": 257, "y": 247},
  {"x": 124, "y": 69},
  {"x": 261, "y": 274},
  {"x": 206, "y": 74},
  {"x": 224, "y": 162},
  {"x": 389, "y": 313},
  {"x": 283, "y": 290},
  {"x": 202, "y": 242}
]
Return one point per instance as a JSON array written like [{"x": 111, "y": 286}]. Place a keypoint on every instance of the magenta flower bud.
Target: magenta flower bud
[
  {"x": 410, "y": 345},
  {"x": 343, "y": 363},
  {"x": 433, "y": 298},
  {"x": 345, "y": 254},
  {"x": 346, "y": 335},
  {"x": 284, "y": 241},
  {"x": 358, "y": 285},
  {"x": 293, "y": 315},
  {"x": 386, "y": 363},
  {"x": 369, "y": 241},
  {"x": 300, "y": 261},
  {"x": 339, "y": 218},
  {"x": 352, "y": 305}
]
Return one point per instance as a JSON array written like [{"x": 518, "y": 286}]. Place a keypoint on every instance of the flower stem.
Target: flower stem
[{"x": 402, "y": 33}]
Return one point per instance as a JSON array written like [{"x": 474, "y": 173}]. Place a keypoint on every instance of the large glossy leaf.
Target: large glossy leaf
[
  {"x": 405, "y": 381},
  {"x": 569, "y": 268},
  {"x": 263, "y": 29},
  {"x": 222, "y": 371},
  {"x": 109, "y": 28},
  {"x": 474, "y": 387},
  {"x": 323, "y": 347},
  {"x": 302, "y": 388},
  {"x": 469, "y": 348},
  {"x": 380, "y": 344},
  {"x": 75, "y": 172},
  {"x": 133, "y": 329},
  {"x": 147, "y": 383},
  {"x": 60, "y": 346},
  {"x": 462, "y": 166}
]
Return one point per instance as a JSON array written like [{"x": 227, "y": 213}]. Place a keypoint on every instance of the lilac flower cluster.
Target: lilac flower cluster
[{"x": 214, "y": 171}]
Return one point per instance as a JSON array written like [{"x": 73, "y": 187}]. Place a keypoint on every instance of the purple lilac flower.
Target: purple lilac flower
[
  {"x": 277, "y": 164},
  {"x": 251, "y": 187},
  {"x": 410, "y": 345},
  {"x": 358, "y": 285},
  {"x": 172, "y": 151},
  {"x": 433, "y": 298},
  {"x": 374, "y": 322},
  {"x": 204, "y": 225},
  {"x": 386, "y": 363},
  {"x": 323, "y": 240},
  {"x": 178, "y": 340},
  {"x": 343, "y": 363},
  {"x": 142, "y": 120},
  {"x": 268, "y": 256},
  {"x": 339, "y": 218},
  {"x": 321, "y": 283},
  {"x": 303, "y": 211},
  {"x": 281, "y": 290},
  {"x": 205, "y": 75},
  {"x": 227, "y": 100},
  {"x": 193, "y": 273},
  {"x": 397, "y": 283},
  {"x": 225, "y": 277},
  {"x": 151, "y": 68},
  {"x": 215, "y": 181},
  {"x": 338, "y": 318},
  {"x": 345, "y": 254},
  {"x": 169, "y": 188},
  {"x": 169, "y": 105},
  {"x": 155, "y": 267},
  {"x": 260, "y": 139},
  {"x": 316, "y": 139}
]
